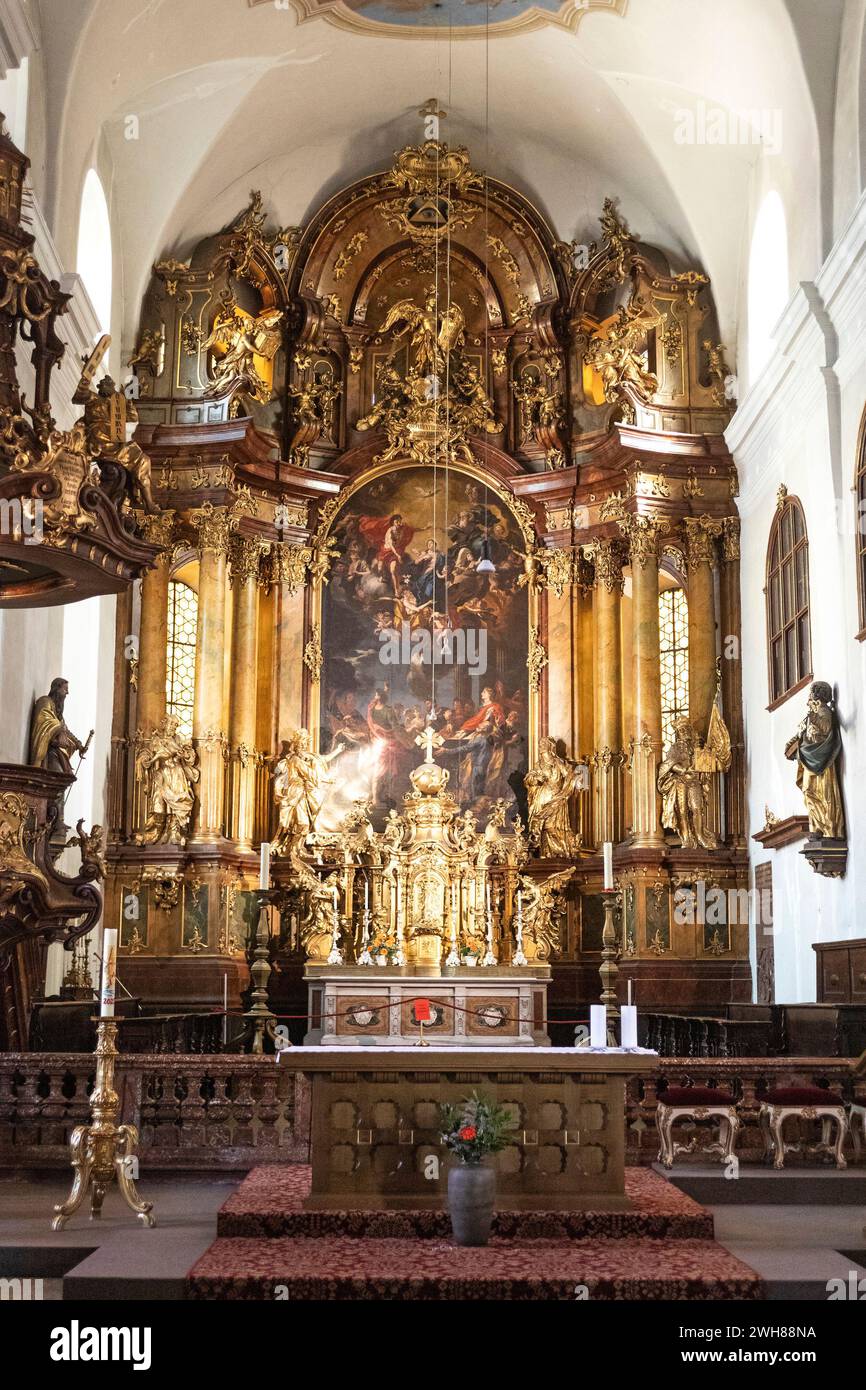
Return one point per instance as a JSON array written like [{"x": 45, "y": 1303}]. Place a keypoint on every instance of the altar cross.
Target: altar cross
[{"x": 429, "y": 740}]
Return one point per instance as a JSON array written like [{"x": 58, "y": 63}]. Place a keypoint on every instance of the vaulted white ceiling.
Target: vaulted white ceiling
[{"x": 235, "y": 94}]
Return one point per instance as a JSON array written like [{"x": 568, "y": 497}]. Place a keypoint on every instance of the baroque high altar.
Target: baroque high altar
[{"x": 447, "y": 597}]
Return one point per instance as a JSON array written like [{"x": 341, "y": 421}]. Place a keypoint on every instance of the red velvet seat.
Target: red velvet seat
[
  {"x": 695, "y": 1095},
  {"x": 801, "y": 1095}
]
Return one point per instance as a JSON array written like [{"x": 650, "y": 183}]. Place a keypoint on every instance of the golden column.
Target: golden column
[
  {"x": 244, "y": 557},
  {"x": 642, "y": 533},
  {"x": 732, "y": 680},
  {"x": 700, "y": 552},
  {"x": 607, "y": 612},
  {"x": 153, "y": 626},
  {"x": 214, "y": 527}
]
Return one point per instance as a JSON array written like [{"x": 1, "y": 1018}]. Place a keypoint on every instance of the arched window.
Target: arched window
[
  {"x": 788, "y": 632},
  {"x": 768, "y": 279},
  {"x": 860, "y": 526},
  {"x": 180, "y": 656},
  {"x": 94, "y": 248},
  {"x": 674, "y": 654}
]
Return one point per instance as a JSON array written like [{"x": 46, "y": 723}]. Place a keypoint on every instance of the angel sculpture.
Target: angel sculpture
[
  {"x": 683, "y": 776},
  {"x": 239, "y": 339},
  {"x": 542, "y": 905},
  {"x": 434, "y": 334},
  {"x": 618, "y": 355}
]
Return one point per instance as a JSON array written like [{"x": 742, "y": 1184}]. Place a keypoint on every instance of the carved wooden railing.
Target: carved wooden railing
[
  {"x": 215, "y": 1112},
  {"x": 229, "y": 1113}
]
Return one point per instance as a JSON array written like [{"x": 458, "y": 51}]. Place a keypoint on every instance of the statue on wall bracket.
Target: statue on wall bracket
[{"x": 816, "y": 747}]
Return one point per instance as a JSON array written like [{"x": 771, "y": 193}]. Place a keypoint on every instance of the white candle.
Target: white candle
[
  {"x": 597, "y": 1025},
  {"x": 628, "y": 1014},
  {"x": 607, "y": 849},
  {"x": 366, "y": 894},
  {"x": 109, "y": 971},
  {"x": 265, "y": 865},
  {"x": 629, "y": 991}
]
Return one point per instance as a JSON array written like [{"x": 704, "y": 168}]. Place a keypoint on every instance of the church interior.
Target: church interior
[{"x": 432, "y": 618}]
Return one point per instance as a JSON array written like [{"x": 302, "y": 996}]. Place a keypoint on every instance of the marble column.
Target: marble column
[
  {"x": 607, "y": 610},
  {"x": 289, "y": 576},
  {"x": 208, "y": 729},
  {"x": 153, "y": 627},
  {"x": 244, "y": 557},
  {"x": 732, "y": 681},
  {"x": 642, "y": 533},
  {"x": 700, "y": 554}
]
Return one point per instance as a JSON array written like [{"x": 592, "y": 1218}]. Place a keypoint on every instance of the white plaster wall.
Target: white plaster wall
[{"x": 798, "y": 425}]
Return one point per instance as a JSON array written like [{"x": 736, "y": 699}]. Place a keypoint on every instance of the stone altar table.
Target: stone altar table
[{"x": 374, "y": 1141}]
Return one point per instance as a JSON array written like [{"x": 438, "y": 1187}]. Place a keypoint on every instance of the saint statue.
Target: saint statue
[
  {"x": 51, "y": 742},
  {"x": 682, "y": 780},
  {"x": 550, "y": 785},
  {"x": 816, "y": 747},
  {"x": 109, "y": 416},
  {"x": 166, "y": 766},
  {"x": 300, "y": 781}
]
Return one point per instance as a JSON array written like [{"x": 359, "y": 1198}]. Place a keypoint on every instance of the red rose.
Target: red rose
[{"x": 467, "y": 1133}]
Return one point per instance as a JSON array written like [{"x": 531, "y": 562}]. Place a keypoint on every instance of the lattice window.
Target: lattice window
[
  {"x": 788, "y": 631},
  {"x": 674, "y": 651},
  {"x": 860, "y": 528},
  {"x": 180, "y": 663}
]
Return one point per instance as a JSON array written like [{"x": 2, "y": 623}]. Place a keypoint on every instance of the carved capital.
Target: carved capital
[
  {"x": 214, "y": 526},
  {"x": 289, "y": 565},
  {"x": 642, "y": 534},
  {"x": 608, "y": 557},
  {"x": 701, "y": 533},
  {"x": 244, "y": 556},
  {"x": 158, "y": 530}
]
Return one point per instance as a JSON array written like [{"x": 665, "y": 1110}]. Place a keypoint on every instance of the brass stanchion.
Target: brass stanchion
[{"x": 103, "y": 1150}]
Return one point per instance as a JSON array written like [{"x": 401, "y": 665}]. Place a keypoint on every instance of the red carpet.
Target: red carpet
[{"x": 269, "y": 1248}]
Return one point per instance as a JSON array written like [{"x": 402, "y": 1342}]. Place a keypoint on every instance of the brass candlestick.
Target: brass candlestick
[
  {"x": 103, "y": 1150},
  {"x": 259, "y": 1019},
  {"x": 609, "y": 970}
]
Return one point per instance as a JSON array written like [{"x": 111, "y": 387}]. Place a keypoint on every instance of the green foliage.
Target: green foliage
[{"x": 474, "y": 1128}]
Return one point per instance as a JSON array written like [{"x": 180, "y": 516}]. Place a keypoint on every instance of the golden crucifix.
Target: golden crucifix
[{"x": 429, "y": 740}]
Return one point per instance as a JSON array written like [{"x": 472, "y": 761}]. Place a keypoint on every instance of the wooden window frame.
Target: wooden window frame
[{"x": 787, "y": 564}]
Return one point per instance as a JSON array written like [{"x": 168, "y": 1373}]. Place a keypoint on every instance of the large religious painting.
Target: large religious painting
[{"x": 414, "y": 633}]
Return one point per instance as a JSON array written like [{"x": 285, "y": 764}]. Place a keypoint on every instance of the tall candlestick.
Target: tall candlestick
[
  {"x": 607, "y": 849},
  {"x": 265, "y": 865},
  {"x": 336, "y": 956},
  {"x": 109, "y": 969},
  {"x": 519, "y": 954}
]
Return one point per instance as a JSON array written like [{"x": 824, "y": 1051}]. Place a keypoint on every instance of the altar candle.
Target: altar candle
[
  {"x": 628, "y": 1014},
  {"x": 597, "y": 1025},
  {"x": 608, "y": 864},
  {"x": 265, "y": 865},
  {"x": 366, "y": 895},
  {"x": 109, "y": 968},
  {"x": 629, "y": 991}
]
